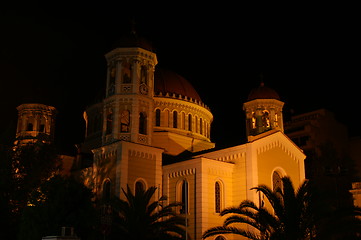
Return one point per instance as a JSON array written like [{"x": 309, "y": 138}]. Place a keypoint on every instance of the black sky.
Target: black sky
[{"x": 54, "y": 54}]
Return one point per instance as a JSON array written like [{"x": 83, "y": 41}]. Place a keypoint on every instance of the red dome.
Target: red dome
[
  {"x": 166, "y": 81},
  {"x": 263, "y": 92}
]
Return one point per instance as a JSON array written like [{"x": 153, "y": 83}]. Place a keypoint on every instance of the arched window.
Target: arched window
[
  {"x": 109, "y": 126},
  {"x": 112, "y": 75},
  {"x": 106, "y": 191},
  {"x": 42, "y": 125},
  {"x": 184, "y": 195},
  {"x": 29, "y": 127},
  {"x": 265, "y": 119},
  {"x": 276, "y": 181},
  {"x": 189, "y": 122},
  {"x": 217, "y": 197},
  {"x": 157, "y": 118},
  {"x": 125, "y": 121},
  {"x": 200, "y": 125},
  {"x": 143, "y": 75},
  {"x": 253, "y": 120},
  {"x": 142, "y": 123},
  {"x": 139, "y": 186},
  {"x": 127, "y": 68},
  {"x": 276, "y": 120},
  {"x": 175, "y": 119},
  {"x": 196, "y": 123}
]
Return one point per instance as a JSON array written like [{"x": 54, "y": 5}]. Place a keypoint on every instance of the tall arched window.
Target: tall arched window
[
  {"x": 200, "y": 125},
  {"x": 29, "y": 127},
  {"x": 277, "y": 180},
  {"x": 183, "y": 121},
  {"x": 253, "y": 120},
  {"x": 196, "y": 123},
  {"x": 265, "y": 119},
  {"x": 109, "y": 126},
  {"x": 124, "y": 121},
  {"x": 175, "y": 119},
  {"x": 142, "y": 123},
  {"x": 42, "y": 125},
  {"x": 111, "y": 85},
  {"x": 189, "y": 122},
  {"x": 126, "y": 72},
  {"x": 144, "y": 75},
  {"x": 106, "y": 191},
  {"x": 184, "y": 200},
  {"x": 217, "y": 197},
  {"x": 139, "y": 186},
  {"x": 157, "y": 118}
]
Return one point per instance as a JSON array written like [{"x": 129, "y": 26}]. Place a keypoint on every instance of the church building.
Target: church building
[{"x": 152, "y": 129}]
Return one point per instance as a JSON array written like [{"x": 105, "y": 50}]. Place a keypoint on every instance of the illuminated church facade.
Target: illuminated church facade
[{"x": 152, "y": 129}]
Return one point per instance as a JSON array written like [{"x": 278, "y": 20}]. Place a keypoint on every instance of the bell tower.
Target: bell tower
[
  {"x": 128, "y": 105},
  {"x": 263, "y": 112},
  {"x": 36, "y": 122}
]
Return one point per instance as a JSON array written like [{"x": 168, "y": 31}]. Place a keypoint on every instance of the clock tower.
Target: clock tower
[{"x": 128, "y": 106}]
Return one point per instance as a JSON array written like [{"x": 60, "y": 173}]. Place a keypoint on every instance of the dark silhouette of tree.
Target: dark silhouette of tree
[
  {"x": 343, "y": 223},
  {"x": 59, "y": 202},
  {"x": 138, "y": 218},
  {"x": 23, "y": 169},
  {"x": 290, "y": 215},
  {"x": 7, "y": 222},
  {"x": 32, "y": 165}
]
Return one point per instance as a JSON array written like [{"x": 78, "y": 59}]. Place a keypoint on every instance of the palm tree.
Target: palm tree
[
  {"x": 139, "y": 218},
  {"x": 290, "y": 216}
]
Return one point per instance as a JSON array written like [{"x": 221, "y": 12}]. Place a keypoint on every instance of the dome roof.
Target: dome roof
[
  {"x": 166, "y": 81},
  {"x": 263, "y": 92},
  {"x": 132, "y": 39}
]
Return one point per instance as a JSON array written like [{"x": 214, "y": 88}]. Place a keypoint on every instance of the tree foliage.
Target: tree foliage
[
  {"x": 290, "y": 215},
  {"x": 32, "y": 165},
  {"x": 138, "y": 218},
  {"x": 59, "y": 202}
]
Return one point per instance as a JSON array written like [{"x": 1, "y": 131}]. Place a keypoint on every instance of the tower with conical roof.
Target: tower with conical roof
[{"x": 263, "y": 112}]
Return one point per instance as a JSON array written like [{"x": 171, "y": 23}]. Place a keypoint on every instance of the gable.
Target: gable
[{"x": 278, "y": 152}]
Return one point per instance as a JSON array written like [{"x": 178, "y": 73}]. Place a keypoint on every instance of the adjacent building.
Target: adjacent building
[{"x": 333, "y": 158}]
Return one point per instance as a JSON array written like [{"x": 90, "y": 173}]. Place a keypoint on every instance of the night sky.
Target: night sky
[{"x": 54, "y": 54}]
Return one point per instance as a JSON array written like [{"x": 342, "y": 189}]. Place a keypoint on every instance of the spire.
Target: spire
[
  {"x": 132, "y": 27},
  {"x": 261, "y": 77},
  {"x": 131, "y": 38}
]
